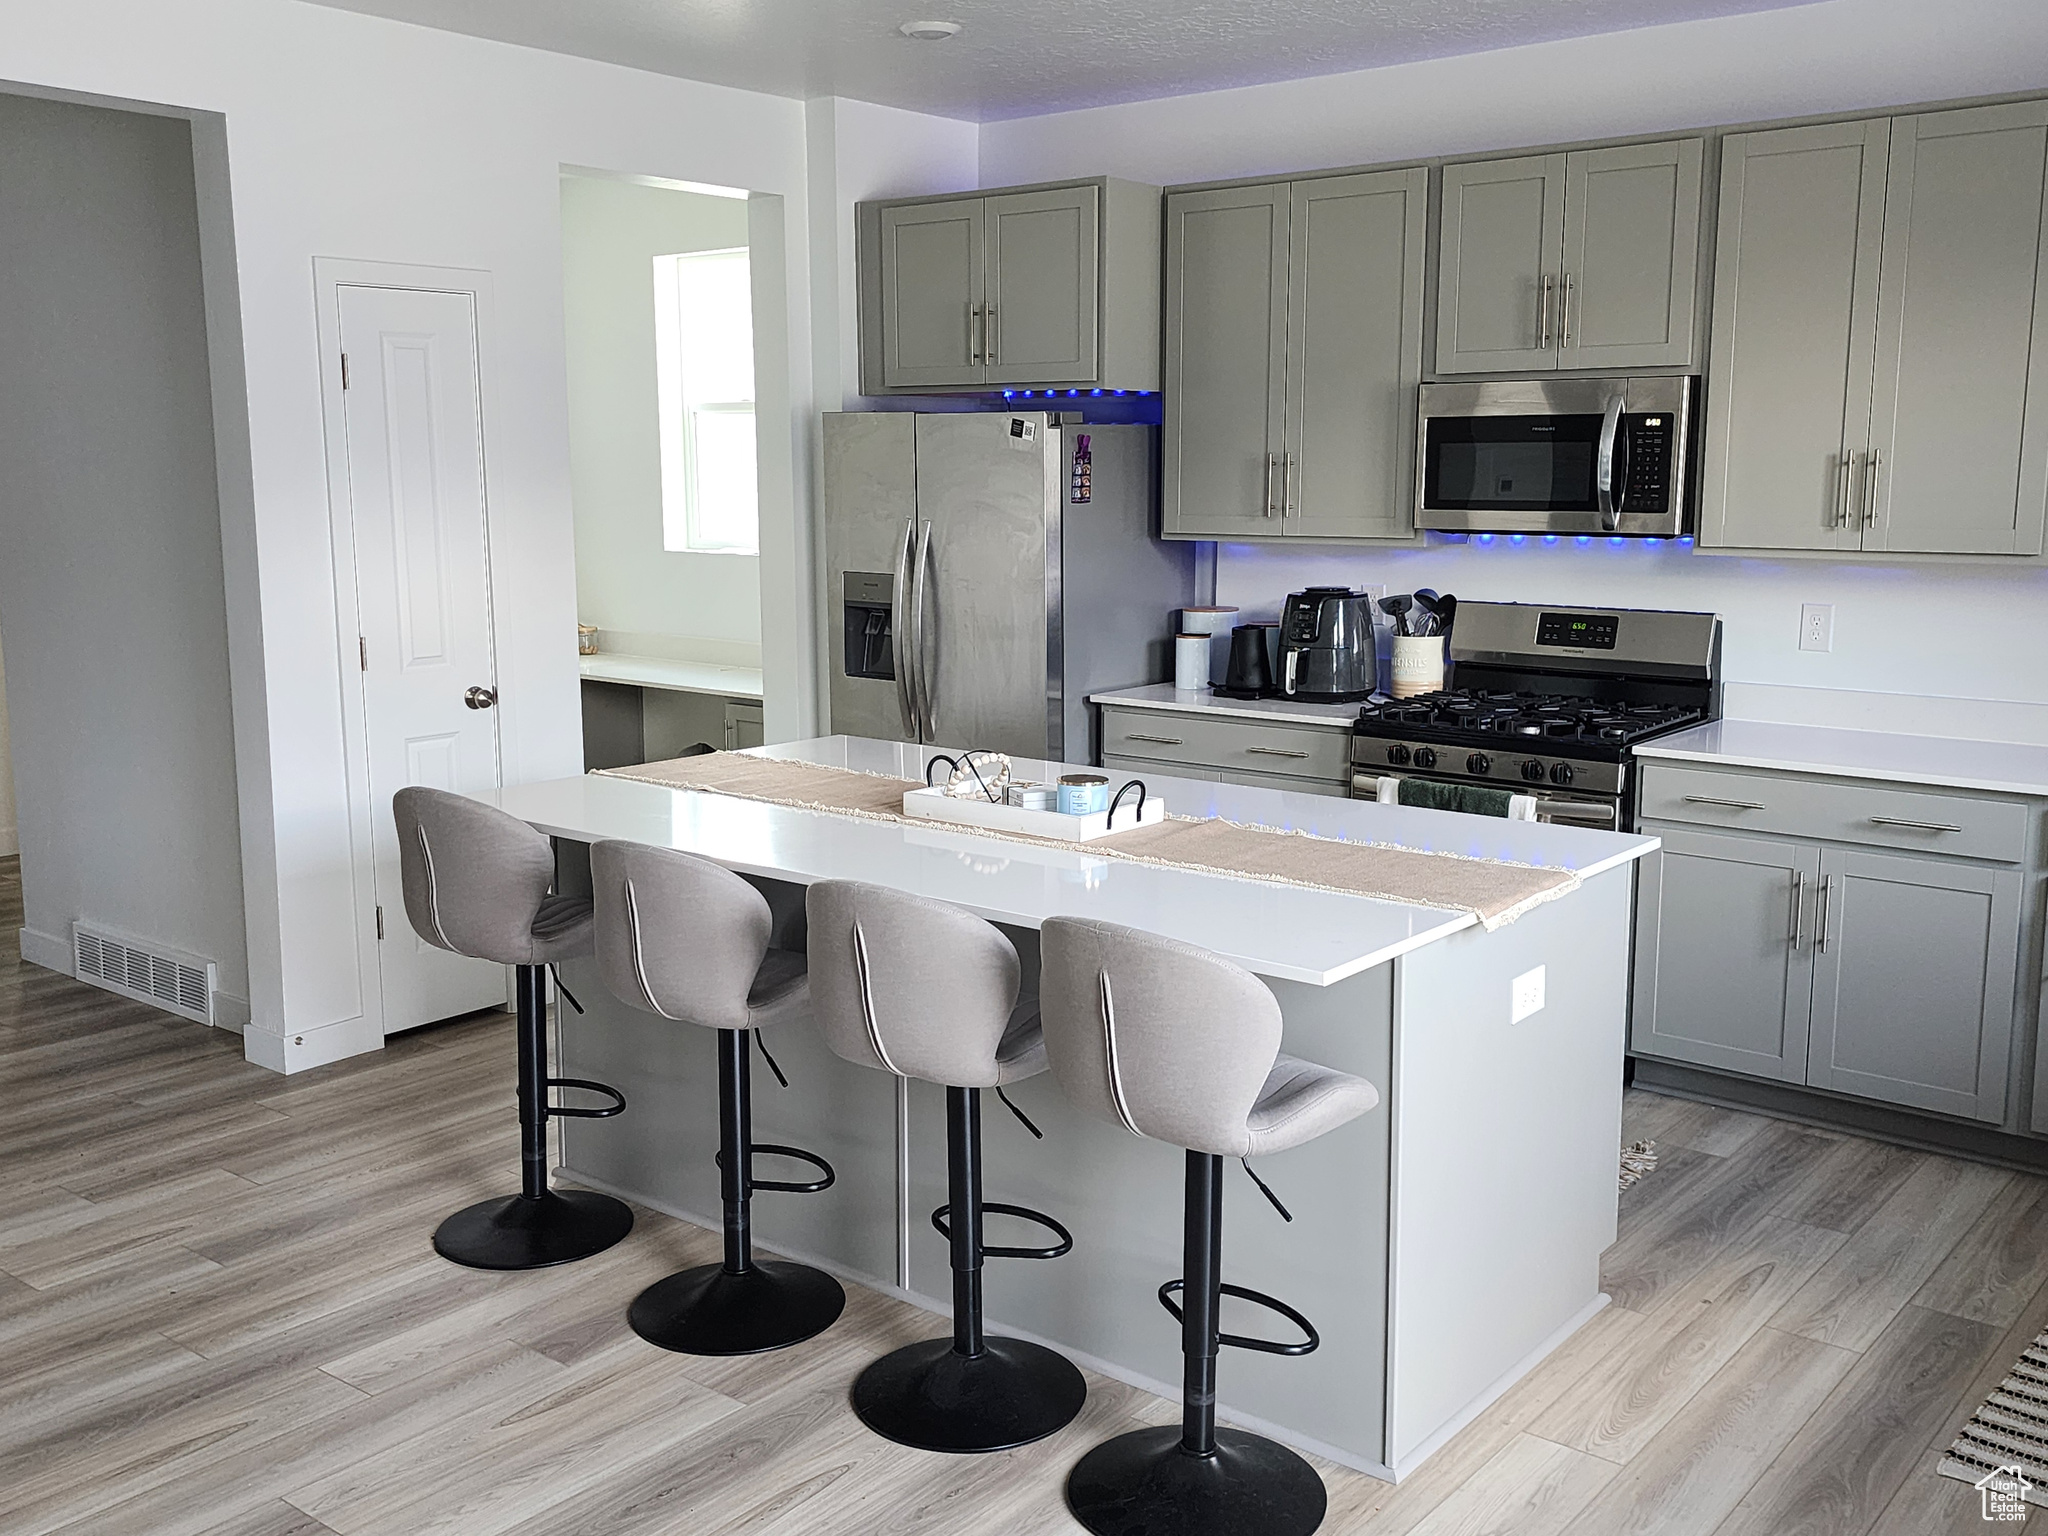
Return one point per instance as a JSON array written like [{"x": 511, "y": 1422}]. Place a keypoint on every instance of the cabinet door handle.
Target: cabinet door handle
[
  {"x": 1276, "y": 752},
  {"x": 1272, "y": 469},
  {"x": 1287, "y": 485},
  {"x": 1798, "y": 907},
  {"x": 974, "y": 334},
  {"x": 1164, "y": 741},
  {"x": 1564, "y": 315},
  {"x": 1841, "y": 517},
  {"x": 1827, "y": 892},
  {"x": 1917, "y": 826},
  {"x": 1733, "y": 805},
  {"x": 989, "y": 333},
  {"x": 1872, "y": 462},
  {"x": 1543, "y": 323}
]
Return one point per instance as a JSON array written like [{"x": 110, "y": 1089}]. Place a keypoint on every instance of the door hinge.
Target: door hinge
[
  {"x": 344, "y": 370},
  {"x": 380, "y": 922},
  {"x": 363, "y": 651}
]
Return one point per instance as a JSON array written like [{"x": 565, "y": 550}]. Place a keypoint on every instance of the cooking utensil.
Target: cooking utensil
[
  {"x": 1396, "y": 608},
  {"x": 1429, "y": 615},
  {"x": 1446, "y": 613}
]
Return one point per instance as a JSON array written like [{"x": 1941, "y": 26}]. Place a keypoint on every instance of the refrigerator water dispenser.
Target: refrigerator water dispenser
[{"x": 867, "y": 600}]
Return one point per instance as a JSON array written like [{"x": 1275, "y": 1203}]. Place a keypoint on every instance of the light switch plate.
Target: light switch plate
[
  {"x": 1528, "y": 995},
  {"x": 1816, "y": 626}
]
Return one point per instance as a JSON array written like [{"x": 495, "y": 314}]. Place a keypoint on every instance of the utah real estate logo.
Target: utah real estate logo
[{"x": 2005, "y": 1494}]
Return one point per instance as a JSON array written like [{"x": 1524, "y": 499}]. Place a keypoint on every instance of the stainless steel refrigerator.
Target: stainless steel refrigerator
[{"x": 972, "y": 600}]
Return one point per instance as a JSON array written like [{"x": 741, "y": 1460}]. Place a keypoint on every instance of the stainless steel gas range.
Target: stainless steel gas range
[{"x": 1549, "y": 702}]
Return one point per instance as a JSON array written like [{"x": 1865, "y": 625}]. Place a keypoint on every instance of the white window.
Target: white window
[{"x": 704, "y": 364}]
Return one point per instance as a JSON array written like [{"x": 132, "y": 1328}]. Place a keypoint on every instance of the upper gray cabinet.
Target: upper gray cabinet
[
  {"x": 1293, "y": 351},
  {"x": 1879, "y": 378},
  {"x": 1037, "y": 286},
  {"x": 1568, "y": 261}
]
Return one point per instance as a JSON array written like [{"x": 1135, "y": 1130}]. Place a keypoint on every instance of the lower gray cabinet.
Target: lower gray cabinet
[
  {"x": 1884, "y": 975},
  {"x": 1725, "y": 953},
  {"x": 1913, "y": 981}
]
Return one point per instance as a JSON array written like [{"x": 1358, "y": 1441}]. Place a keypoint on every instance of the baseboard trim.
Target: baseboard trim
[
  {"x": 1980, "y": 1143},
  {"x": 1130, "y": 1378},
  {"x": 1403, "y": 1465},
  {"x": 52, "y": 951},
  {"x": 302, "y": 1050},
  {"x": 10, "y": 842},
  {"x": 230, "y": 1012}
]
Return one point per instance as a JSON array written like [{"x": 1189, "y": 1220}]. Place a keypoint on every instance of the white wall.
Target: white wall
[
  {"x": 110, "y": 550},
  {"x": 626, "y": 580},
  {"x": 1975, "y": 631},
  {"x": 337, "y": 134},
  {"x": 10, "y": 841}
]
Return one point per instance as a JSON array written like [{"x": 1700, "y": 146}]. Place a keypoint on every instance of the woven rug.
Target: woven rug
[
  {"x": 2009, "y": 1432},
  {"x": 1493, "y": 890}
]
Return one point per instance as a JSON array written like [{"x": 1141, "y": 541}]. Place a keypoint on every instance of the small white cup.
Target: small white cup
[
  {"x": 1418, "y": 665},
  {"x": 1190, "y": 662}
]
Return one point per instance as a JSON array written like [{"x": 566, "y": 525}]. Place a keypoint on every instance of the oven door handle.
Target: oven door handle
[
  {"x": 1610, "y": 495},
  {"x": 1578, "y": 810}
]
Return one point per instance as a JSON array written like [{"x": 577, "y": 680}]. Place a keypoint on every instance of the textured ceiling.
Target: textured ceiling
[{"x": 1016, "y": 59}]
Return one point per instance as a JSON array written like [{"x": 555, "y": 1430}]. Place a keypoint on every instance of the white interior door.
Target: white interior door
[{"x": 413, "y": 417}]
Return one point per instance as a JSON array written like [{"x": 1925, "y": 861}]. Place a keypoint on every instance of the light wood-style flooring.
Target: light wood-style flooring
[{"x": 219, "y": 1313}]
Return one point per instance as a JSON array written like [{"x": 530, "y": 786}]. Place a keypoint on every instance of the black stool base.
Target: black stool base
[
  {"x": 1010, "y": 1394},
  {"x": 706, "y": 1311},
  {"x": 1144, "y": 1484},
  {"x": 522, "y": 1232}
]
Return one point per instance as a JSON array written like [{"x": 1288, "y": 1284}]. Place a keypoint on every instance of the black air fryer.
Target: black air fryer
[{"x": 1327, "y": 654}]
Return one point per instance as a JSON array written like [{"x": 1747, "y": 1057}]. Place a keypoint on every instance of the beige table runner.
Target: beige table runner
[{"x": 1495, "y": 891}]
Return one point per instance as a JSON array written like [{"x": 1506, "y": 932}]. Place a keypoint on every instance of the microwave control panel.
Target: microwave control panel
[{"x": 1647, "y": 487}]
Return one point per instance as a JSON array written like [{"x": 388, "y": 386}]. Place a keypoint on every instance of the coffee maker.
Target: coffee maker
[{"x": 1327, "y": 652}]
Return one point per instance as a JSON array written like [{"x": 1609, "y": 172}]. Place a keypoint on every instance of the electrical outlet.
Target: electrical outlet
[
  {"x": 1528, "y": 995},
  {"x": 1373, "y": 596},
  {"x": 1817, "y": 626}
]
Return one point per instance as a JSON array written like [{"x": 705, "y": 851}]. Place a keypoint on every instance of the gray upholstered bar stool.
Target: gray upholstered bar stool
[
  {"x": 688, "y": 940},
  {"x": 476, "y": 883},
  {"x": 1171, "y": 1042},
  {"x": 927, "y": 991}
]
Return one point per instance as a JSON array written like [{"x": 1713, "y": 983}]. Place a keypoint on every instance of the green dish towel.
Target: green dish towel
[{"x": 1472, "y": 799}]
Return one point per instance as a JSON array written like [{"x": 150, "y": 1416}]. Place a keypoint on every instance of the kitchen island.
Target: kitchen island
[{"x": 1443, "y": 1244}]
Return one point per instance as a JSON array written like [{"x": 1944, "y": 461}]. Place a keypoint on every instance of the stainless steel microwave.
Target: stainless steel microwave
[{"x": 1595, "y": 456}]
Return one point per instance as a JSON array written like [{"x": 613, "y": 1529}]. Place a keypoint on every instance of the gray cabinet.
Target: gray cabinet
[
  {"x": 1054, "y": 285},
  {"x": 1293, "y": 350},
  {"x": 1201, "y": 744},
  {"x": 1569, "y": 261},
  {"x": 1724, "y": 952},
  {"x": 1880, "y": 350},
  {"x": 1913, "y": 981},
  {"x": 1807, "y": 959},
  {"x": 1959, "y": 416}
]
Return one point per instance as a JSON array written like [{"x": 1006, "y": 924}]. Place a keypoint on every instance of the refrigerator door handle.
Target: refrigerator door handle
[
  {"x": 921, "y": 687},
  {"x": 899, "y": 656}
]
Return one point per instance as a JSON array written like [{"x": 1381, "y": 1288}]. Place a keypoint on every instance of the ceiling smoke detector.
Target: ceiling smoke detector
[{"x": 930, "y": 31}]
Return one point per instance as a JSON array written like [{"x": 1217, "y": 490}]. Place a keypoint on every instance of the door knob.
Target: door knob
[{"x": 480, "y": 698}]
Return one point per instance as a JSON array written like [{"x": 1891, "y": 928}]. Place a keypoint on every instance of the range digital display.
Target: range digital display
[{"x": 1577, "y": 631}]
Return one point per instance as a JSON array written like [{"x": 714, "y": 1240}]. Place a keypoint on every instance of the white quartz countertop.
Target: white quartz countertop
[
  {"x": 1200, "y": 701},
  {"x": 1282, "y": 931},
  {"x": 2001, "y": 766},
  {"x": 675, "y": 676}
]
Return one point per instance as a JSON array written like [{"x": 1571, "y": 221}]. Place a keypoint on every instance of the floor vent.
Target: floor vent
[{"x": 149, "y": 973}]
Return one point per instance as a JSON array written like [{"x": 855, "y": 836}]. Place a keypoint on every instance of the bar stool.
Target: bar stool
[
  {"x": 688, "y": 940},
  {"x": 476, "y": 883},
  {"x": 927, "y": 991},
  {"x": 1171, "y": 1042}
]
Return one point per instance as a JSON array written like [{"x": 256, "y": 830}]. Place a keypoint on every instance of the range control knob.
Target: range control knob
[
  {"x": 1425, "y": 757},
  {"x": 1479, "y": 762},
  {"x": 1397, "y": 754},
  {"x": 1533, "y": 771},
  {"x": 1561, "y": 773}
]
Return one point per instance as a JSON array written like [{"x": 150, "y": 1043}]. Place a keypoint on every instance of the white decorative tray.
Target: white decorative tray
[{"x": 937, "y": 805}]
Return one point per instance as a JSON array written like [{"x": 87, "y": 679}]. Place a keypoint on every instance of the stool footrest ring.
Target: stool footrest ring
[
  {"x": 1308, "y": 1344},
  {"x": 1023, "y": 1213},
  {"x": 786, "y": 1186},
  {"x": 616, "y": 1107}
]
